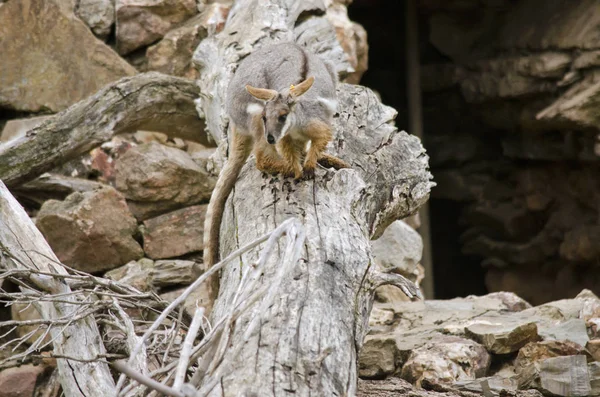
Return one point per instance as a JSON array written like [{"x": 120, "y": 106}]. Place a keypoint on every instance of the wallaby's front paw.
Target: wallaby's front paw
[{"x": 308, "y": 171}]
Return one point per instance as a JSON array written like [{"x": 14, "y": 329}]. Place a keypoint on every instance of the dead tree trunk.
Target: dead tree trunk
[{"x": 308, "y": 341}]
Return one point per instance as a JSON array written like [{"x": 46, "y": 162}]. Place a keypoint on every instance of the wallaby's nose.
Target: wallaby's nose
[{"x": 270, "y": 139}]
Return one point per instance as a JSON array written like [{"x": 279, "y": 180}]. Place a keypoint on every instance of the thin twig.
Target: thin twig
[
  {"x": 186, "y": 349},
  {"x": 151, "y": 383}
]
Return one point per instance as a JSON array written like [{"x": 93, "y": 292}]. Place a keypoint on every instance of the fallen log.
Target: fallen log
[{"x": 149, "y": 101}]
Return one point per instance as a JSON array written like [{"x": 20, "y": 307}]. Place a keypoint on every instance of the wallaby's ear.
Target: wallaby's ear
[
  {"x": 263, "y": 94},
  {"x": 300, "y": 89}
]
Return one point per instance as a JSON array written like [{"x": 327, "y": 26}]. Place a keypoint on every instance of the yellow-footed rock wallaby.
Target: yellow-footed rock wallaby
[{"x": 280, "y": 98}]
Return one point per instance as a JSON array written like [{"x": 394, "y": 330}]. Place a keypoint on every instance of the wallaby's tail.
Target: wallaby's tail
[{"x": 240, "y": 150}]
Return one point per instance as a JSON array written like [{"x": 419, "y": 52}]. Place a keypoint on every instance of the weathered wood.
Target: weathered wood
[
  {"x": 23, "y": 247},
  {"x": 308, "y": 341},
  {"x": 150, "y": 101}
]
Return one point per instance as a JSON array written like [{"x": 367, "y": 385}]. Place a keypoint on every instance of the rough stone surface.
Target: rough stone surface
[
  {"x": 447, "y": 359},
  {"x": 20, "y": 381},
  {"x": 502, "y": 337},
  {"x": 155, "y": 179},
  {"x": 593, "y": 347},
  {"x": 99, "y": 15},
  {"x": 142, "y": 22},
  {"x": 559, "y": 376},
  {"x": 173, "y": 54},
  {"x": 398, "y": 328},
  {"x": 17, "y": 128},
  {"x": 449, "y": 341},
  {"x": 91, "y": 231},
  {"x": 398, "y": 249},
  {"x": 174, "y": 234},
  {"x": 72, "y": 69},
  {"x": 536, "y": 351}
]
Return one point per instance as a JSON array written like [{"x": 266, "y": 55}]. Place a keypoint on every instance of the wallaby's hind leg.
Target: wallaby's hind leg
[{"x": 329, "y": 161}]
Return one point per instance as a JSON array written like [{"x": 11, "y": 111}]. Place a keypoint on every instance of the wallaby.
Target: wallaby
[{"x": 280, "y": 98}]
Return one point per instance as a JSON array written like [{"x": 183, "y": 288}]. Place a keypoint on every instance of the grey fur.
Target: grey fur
[{"x": 277, "y": 67}]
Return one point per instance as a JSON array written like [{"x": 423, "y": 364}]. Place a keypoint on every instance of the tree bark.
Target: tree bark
[
  {"x": 151, "y": 101},
  {"x": 22, "y": 247},
  {"x": 308, "y": 341}
]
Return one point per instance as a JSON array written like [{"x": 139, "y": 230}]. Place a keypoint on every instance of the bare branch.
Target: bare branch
[
  {"x": 186, "y": 350},
  {"x": 141, "y": 378},
  {"x": 408, "y": 287}
]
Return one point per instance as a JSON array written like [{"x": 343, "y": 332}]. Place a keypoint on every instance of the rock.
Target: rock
[
  {"x": 559, "y": 376},
  {"x": 174, "y": 234},
  {"x": 491, "y": 385},
  {"x": 99, "y": 15},
  {"x": 146, "y": 274},
  {"x": 52, "y": 186},
  {"x": 575, "y": 107},
  {"x": 199, "y": 297},
  {"x": 398, "y": 328},
  {"x": 593, "y": 347},
  {"x": 571, "y": 330},
  {"x": 135, "y": 273},
  {"x": 72, "y": 69},
  {"x": 398, "y": 249},
  {"x": 511, "y": 301},
  {"x": 17, "y": 128},
  {"x": 537, "y": 351},
  {"x": 526, "y": 26},
  {"x": 378, "y": 358},
  {"x": 511, "y": 78},
  {"x": 579, "y": 244},
  {"x": 156, "y": 178},
  {"x": 587, "y": 59},
  {"x": 91, "y": 231},
  {"x": 142, "y": 22},
  {"x": 27, "y": 312},
  {"x": 594, "y": 371},
  {"x": 502, "y": 337},
  {"x": 353, "y": 39},
  {"x": 20, "y": 381},
  {"x": 173, "y": 54},
  {"x": 446, "y": 360}
]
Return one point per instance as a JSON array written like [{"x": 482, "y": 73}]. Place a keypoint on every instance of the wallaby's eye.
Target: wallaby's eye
[
  {"x": 282, "y": 118},
  {"x": 264, "y": 119}
]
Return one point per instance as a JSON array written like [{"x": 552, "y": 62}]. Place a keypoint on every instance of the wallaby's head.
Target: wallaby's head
[{"x": 278, "y": 108}]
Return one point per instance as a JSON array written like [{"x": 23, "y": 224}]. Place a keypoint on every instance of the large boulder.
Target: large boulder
[
  {"x": 156, "y": 179},
  {"x": 447, "y": 341},
  {"x": 91, "y": 231},
  {"x": 99, "y": 15},
  {"x": 399, "y": 249},
  {"x": 21, "y": 381},
  {"x": 60, "y": 62},
  {"x": 17, "y": 128},
  {"x": 176, "y": 233},
  {"x": 142, "y": 22},
  {"x": 173, "y": 54}
]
